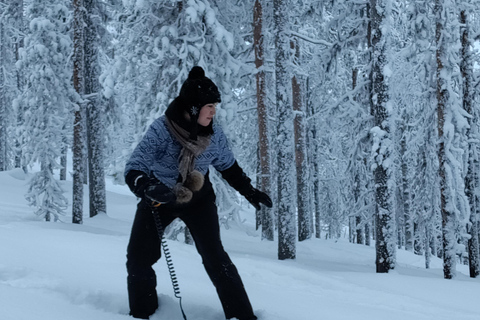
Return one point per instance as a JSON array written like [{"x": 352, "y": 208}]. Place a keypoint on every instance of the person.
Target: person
[{"x": 169, "y": 171}]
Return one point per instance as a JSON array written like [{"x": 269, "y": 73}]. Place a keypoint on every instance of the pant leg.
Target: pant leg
[
  {"x": 203, "y": 224},
  {"x": 142, "y": 252}
]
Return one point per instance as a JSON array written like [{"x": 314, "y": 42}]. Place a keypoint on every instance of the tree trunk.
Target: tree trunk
[
  {"x": 313, "y": 163},
  {"x": 408, "y": 223},
  {"x": 303, "y": 201},
  {"x": 448, "y": 219},
  {"x": 285, "y": 152},
  {"x": 3, "y": 98},
  {"x": 428, "y": 254},
  {"x": 18, "y": 4},
  {"x": 471, "y": 179},
  {"x": 357, "y": 180},
  {"x": 78, "y": 131},
  {"x": 385, "y": 218},
  {"x": 367, "y": 234},
  {"x": 264, "y": 215},
  {"x": 95, "y": 133}
]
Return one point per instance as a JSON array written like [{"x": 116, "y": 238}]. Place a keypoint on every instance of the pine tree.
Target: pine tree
[
  {"x": 4, "y": 101},
  {"x": 382, "y": 137},
  {"x": 452, "y": 126},
  {"x": 95, "y": 110},
  {"x": 47, "y": 102},
  {"x": 9, "y": 40},
  {"x": 79, "y": 113},
  {"x": 285, "y": 144},
  {"x": 471, "y": 178},
  {"x": 18, "y": 24},
  {"x": 264, "y": 172},
  {"x": 301, "y": 164}
]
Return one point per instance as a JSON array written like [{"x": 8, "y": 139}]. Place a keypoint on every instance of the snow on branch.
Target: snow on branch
[{"x": 311, "y": 40}]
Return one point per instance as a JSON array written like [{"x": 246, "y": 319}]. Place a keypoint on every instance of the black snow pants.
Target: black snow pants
[{"x": 144, "y": 250}]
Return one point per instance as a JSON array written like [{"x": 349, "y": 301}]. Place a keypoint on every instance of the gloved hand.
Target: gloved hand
[
  {"x": 138, "y": 182},
  {"x": 158, "y": 193},
  {"x": 255, "y": 197},
  {"x": 149, "y": 189}
]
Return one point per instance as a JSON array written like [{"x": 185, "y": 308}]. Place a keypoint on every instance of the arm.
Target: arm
[
  {"x": 240, "y": 182},
  {"x": 138, "y": 166},
  {"x": 149, "y": 149},
  {"x": 234, "y": 175}
]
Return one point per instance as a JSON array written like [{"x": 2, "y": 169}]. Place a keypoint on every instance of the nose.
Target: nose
[{"x": 213, "y": 110}]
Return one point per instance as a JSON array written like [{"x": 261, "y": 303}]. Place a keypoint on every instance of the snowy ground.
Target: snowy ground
[{"x": 53, "y": 271}]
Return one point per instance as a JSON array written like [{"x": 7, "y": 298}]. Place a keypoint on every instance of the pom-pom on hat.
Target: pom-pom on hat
[{"x": 197, "y": 91}]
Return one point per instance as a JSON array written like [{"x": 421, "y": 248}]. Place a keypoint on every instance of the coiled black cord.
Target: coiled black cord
[{"x": 168, "y": 258}]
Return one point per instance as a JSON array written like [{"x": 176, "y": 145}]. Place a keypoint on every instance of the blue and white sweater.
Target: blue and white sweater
[{"x": 158, "y": 152}]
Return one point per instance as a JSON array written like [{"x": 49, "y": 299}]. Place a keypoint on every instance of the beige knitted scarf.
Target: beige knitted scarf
[{"x": 191, "y": 178}]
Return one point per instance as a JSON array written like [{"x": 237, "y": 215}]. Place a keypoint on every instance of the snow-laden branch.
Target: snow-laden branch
[
  {"x": 311, "y": 40},
  {"x": 346, "y": 97}
]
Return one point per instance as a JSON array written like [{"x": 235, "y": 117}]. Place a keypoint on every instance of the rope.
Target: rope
[{"x": 168, "y": 258}]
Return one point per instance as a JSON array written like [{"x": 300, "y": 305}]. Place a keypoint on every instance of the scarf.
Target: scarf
[{"x": 192, "y": 180}]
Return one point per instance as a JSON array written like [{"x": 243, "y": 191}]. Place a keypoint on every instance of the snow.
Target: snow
[{"x": 51, "y": 271}]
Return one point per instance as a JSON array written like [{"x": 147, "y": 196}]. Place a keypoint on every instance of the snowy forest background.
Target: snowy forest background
[{"x": 363, "y": 115}]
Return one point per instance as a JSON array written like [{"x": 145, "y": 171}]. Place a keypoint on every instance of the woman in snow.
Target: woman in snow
[{"x": 170, "y": 166}]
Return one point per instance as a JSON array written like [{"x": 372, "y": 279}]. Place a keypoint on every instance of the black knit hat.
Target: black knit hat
[{"x": 196, "y": 92}]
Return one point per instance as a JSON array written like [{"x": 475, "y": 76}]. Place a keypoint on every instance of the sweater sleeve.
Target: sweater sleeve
[
  {"x": 149, "y": 150},
  {"x": 225, "y": 158}
]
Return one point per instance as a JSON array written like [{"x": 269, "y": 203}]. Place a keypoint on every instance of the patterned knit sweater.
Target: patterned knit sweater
[{"x": 158, "y": 152}]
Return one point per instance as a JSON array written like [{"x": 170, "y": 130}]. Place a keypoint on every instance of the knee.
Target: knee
[
  {"x": 139, "y": 267},
  {"x": 221, "y": 268}
]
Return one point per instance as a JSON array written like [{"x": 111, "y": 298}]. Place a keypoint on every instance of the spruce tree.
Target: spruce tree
[
  {"x": 285, "y": 145},
  {"x": 47, "y": 102},
  {"x": 382, "y": 139}
]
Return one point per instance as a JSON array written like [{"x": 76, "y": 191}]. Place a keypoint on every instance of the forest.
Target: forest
[{"x": 358, "y": 117}]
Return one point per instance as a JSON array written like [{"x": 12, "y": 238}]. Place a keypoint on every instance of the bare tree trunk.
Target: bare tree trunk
[
  {"x": 285, "y": 152},
  {"x": 367, "y": 234},
  {"x": 408, "y": 223},
  {"x": 95, "y": 133},
  {"x": 303, "y": 201},
  {"x": 18, "y": 21},
  {"x": 357, "y": 182},
  {"x": 78, "y": 131},
  {"x": 471, "y": 179},
  {"x": 385, "y": 219},
  {"x": 3, "y": 97},
  {"x": 63, "y": 158},
  {"x": 313, "y": 163},
  {"x": 449, "y": 262},
  {"x": 264, "y": 215}
]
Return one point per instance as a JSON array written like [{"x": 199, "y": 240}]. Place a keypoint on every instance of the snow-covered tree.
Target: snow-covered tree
[
  {"x": 383, "y": 164},
  {"x": 95, "y": 108},
  {"x": 11, "y": 14},
  {"x": 46, "y": 101},
  {"x": 452, "y": 126},
  {"x": 285, "y": 144},
  {"x": 471, "y": 178},
  {"x": 264, "y": 175},
  {"x": 79, "y": 112},
  {"x": 6, "y": 58}
]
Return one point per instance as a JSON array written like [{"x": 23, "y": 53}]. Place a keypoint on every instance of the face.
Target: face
[{"x": 206, "y": 114}]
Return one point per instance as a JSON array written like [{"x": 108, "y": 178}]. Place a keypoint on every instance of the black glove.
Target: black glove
[
  {"x": 240, "y": 182},
  {"x": 137, "y": 181},
  {"x": 150, "y": 189},
  {"x": 255, "y": 197},
  {"x": 159, "y": 193}
]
